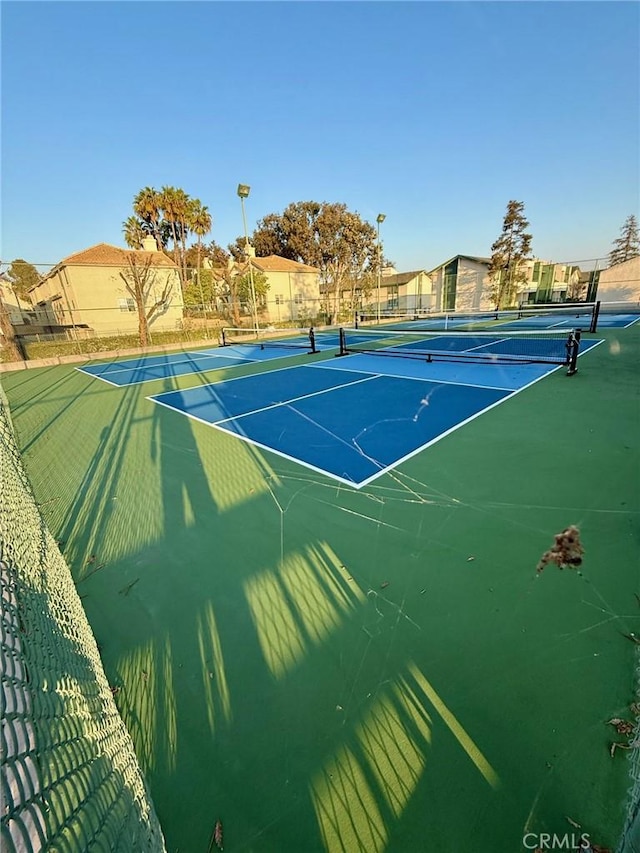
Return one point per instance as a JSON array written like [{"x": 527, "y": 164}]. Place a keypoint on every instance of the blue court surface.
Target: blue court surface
[
  {"x": 567, "y": 320},
  {"x": 356, "y": 417},
  {"x": 147, "y": 368}
]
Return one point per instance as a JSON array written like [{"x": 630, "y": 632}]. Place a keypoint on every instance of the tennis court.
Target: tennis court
[
  {"x": 149, "y": 368},
  {"x": 329, "y": 668},
  {"x": 356, "y": 417},
  {"x": 584, "y": 316}
]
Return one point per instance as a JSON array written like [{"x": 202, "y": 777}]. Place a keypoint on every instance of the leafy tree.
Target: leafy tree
[
  {"x": 7, "y": 335},
  {"x": 324, "y": 235},
  {"x": 146, "y": 205},
  {"x": 627, "y": 245},
  {"x": 507, "y": 254},
  {"x": 134, "y": 232},
  {"x": 22, "y": 275},
  {"x": 243, "y": 287},
  {"x": 200, "y": 291},
  {"x": 200, "y": 224},
  {"x": 169, "y": 216},
  {"x": 140, "y": 279}
]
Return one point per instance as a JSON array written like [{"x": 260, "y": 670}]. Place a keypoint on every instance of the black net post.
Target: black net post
[
  {"x": 312, "y": 339},
  {"x": 343, "y": 343},
  {"x": 573, "y": 346},
  {"x": 224, "y": 338},
  {"x": 594, "y": 317}
]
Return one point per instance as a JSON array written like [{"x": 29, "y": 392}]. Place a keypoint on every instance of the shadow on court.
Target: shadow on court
[{"x": 326, "y": 669}]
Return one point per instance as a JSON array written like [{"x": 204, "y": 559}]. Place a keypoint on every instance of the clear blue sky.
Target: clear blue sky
[{"x": 435, "y": 114}]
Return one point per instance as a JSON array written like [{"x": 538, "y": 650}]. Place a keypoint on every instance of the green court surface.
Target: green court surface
[{"x": 325, "y": 669}]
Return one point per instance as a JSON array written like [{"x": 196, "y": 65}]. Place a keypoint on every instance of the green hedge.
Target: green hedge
[{"x": 50, "y": 349}]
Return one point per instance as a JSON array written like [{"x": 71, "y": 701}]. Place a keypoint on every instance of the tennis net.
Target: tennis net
[
  {"x": 578, "y": 315},
  {"x": 262, "y": 338},
  {"x": 496, "y": 347}
]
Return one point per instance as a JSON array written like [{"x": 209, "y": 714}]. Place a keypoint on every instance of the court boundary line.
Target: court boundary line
[
  {"x": 366, "y": 378},
  {"x": 361, "y": 484},
  {"x": 158, "y": 378},
  {"x": 417, "y": 378},
  {"x": 145, "y": 367}
]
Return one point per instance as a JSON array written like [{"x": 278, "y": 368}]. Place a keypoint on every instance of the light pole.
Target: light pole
[
  {"x": 379, "y": 218},
  {"x": 243, "y": 192}
]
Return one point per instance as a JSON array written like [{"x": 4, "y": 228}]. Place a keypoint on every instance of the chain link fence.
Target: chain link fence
[{"x": 70, "y": 779}]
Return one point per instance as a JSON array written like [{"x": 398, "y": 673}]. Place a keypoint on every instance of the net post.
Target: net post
[
  {"x": 594, "y": 317},
  {"x": 312, "y": 339},
  {"x": 355, "y": 323},
  {"x": 573, "y": 345},
  {"x": 343, "y": 343},
  {"x": 224, "y": 337}
]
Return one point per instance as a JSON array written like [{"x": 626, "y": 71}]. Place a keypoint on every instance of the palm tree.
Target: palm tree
[
  {"x": 168, "y": 206},
  {"x": 134, "y": 232},
  {"x": 146, "y": 205},
  {"x": 181, "y": 207},
  {"x": 199, "y": 221}
]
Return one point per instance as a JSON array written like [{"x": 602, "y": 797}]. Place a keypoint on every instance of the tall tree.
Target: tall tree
[
  {"x": 140, "y": 280},
  {"x": 7, "y": 335},
  {"x": 512, "y": 247},
  {"x": 134, "y": 232},
  {"x": 627, "y": 245},
  {"x": 22, "y": 276},
  {"x": 146, "y": 205},
  {"x": 325, "y": 235},
  {"x": 169, "y": 206},
  {"x": 200, "y": 223}
]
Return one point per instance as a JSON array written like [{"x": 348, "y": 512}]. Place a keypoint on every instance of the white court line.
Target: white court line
[
  {"x": 169, "y": 376},
  {"x": 319, "y": 364},
  {"x": 188, "y": 360},
  {"x": 301, "y": 397},
  {"x": 271, "y": 405},
  {"x": 93, "y": 376},
  {"x": 329, "y": 474}
]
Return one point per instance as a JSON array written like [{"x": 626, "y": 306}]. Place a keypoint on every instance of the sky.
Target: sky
[{"x": 435, "y": 114}]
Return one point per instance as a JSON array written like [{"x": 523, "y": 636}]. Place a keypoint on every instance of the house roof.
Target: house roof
[
  {"x": 274, "y": 263},
  {"x": 106, "y": 255},
  {"x": 475, "y": 258},
  {"x": 401, "y": 277}
]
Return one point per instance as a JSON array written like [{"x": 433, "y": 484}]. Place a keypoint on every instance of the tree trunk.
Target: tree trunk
[
  {"x": 143, "y": 326},
  {"x": 10, "y": 343}
]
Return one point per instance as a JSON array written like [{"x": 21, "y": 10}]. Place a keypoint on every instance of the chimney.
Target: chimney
[
  {"x": 149, "y": 244},
  {"x": 249, "y": 251}
]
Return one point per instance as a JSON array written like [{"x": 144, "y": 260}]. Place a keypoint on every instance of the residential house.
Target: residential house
[
  {"x": 403, "y": 291},
  {"x": 294, "y": 289},
  {"x": 19, "y": 312},
  {"x": 293, "y": 293},
  {"x": 620, "y": 283},
  {"x": 86, "y": 291},
  {"x": 463, "y": 284}
]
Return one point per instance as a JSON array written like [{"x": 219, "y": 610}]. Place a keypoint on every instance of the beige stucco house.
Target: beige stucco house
[
  {"x": 18, "y": 311},
  {"x": 620, "y": 283},
  {"x": 294, "y": 289},
  {"x": 86, "y": 291}
]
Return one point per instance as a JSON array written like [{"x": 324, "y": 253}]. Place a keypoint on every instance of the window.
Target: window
[
  {"x": 127, "y": 305},
  {"x": 298, "y": 299},
  {"x": 279, "y": 299}
]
